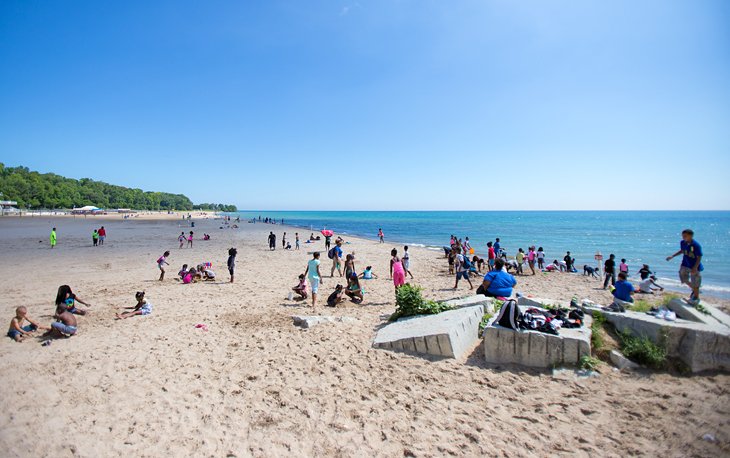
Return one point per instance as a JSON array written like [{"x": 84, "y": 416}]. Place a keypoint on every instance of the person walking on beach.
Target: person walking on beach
[
  {"x": 407, "y": 261},
  {"x": 190, "y": 240},
  {"x": 53, "y": 237},
  {"x": 462, "y": 268},
  {"x": 609, "y": 270},
  {"x": 102, "y": 235},
  {"x": 272, "y": 241},
  {"x": 397, "y": 269},
  {"x": 296, "y": 240},
  {"x": 95, "y": 238},
  {"x": 335, "y": 254},
  {"x": 181, "y": 239},
  {"x": 315, "y": 277},
  {"x": 232, "y": 262},
  {"x": 691, "y": 267},
  {"x": 381, "y": 236},
  {"x": 283, "y": 241},
  {"x": 327, "y": 242},
  {"x": 161, "y": 263}
]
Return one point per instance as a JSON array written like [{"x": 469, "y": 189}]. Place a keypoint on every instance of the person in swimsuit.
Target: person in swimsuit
[
  {"x": 190, "y": 239},
  {"x": 161, "y": 262},
  {"x": 181, "y": 239},
  {"x": 65, "y": 326},
  {"x": 17, "y": 331},
  {"x": 142, "y": 308},
  {"x": 349, "y": 265},
  {"x": 67, "y": 299},
  {"x": 397, "y": 269}
]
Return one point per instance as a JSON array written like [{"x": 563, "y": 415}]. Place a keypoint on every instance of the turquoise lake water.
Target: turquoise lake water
[{"x": 639, "y": 236}]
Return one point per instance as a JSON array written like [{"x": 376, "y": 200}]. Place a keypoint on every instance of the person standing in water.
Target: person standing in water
[
  {"x": 53, "y": 237},
  {"x": 691, "y": 267}
]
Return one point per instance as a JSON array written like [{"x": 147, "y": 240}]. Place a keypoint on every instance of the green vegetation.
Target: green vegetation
[
  {"x": 589, "y": 363},
  {"x": 641, "y": 305},
  {"x": 47, "y": 190},
  {"x": 485, "y": 321},
  {"x": 409, "y": 302},
  {"x": 643, "y": 351},
  {"x": 596, "y": 334},
  {"x": 702, "y": 309}
]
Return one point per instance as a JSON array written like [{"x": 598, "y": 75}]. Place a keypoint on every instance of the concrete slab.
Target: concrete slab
[
  {"x": 479, "y": 299},
  {"x": 449, "y": 334},
  {"x": 540, "y": 302},
  {"x": 536, "y": 349},
  {"x": 701, "y": 346},
  {"x": 307, "y": 322},
  {"x": 687, "y": 312},
  {"x": 622, "y": 362}
]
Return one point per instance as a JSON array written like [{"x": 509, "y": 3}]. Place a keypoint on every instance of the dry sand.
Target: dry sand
[{"x": 254, "y": 385}]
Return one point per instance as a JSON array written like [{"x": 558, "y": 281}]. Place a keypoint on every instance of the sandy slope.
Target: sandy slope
[{"x": 255, "y": 385}]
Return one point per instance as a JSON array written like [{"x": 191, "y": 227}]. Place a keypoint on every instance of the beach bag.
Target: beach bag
[
  {"x": 331, "y": 253},
  {"x": 509, "y": 315}
]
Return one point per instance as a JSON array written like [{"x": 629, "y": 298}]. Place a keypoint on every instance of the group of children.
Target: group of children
[
  {"x": 200, "y": 272},
  {"x": 66, "y": 309}
]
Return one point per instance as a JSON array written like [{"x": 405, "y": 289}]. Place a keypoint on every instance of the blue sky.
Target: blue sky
[{"x": 376, "y": 104}]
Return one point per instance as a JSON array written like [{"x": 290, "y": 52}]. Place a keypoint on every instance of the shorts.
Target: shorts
[
  {"x": 102, "y": 237},
  {"x": 464, "y": 275},
  {"x": 146, "y": 310},
  {"x": 407, "y": 264},
  {"x": 686, "y": 276},
  {"x": 314, "y": 282},
  {"x": 64, "y": 329},
  {"x": 13, "y": 333},
  {"x": 74, "y": 311},
  {"x": 491, "y": 262}
]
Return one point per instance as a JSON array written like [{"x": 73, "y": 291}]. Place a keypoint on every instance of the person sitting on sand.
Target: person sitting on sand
[
  {"x": 497, "y": 283},
  {"x": 336, "y": 296},
  {"x": 368, "y": 273},
  {"x": 623, "y": 289},
  {"x": 183, "y": 271},
  {"x": 647, "y": 286},
  {"x": 142, "y": 308},
  {"x": 66, "y": 298},
  {"x": 17, "y": 331},
  {"x": 354, "y": 291},
  {"x": 65, "y": 326},
  {"x": 301, "y": 288},
  {"x": 207, "y": 273}
]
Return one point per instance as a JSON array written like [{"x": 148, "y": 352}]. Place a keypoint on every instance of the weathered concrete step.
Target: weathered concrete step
[
  {"x": 536, "y": 349},
  {"x": 540, "y": 303},
  {"x": 309, "y": 321},
  {"x": 687, "y": 312},
  {"x": 479, "y": 299},
  {"x": 699, "y": 345},
  {"x": 448, "y": 334}
]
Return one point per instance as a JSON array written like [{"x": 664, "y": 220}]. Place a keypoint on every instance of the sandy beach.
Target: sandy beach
[{"x": 252, "y": 384}]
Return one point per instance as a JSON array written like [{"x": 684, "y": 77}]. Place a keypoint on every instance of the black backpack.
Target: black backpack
[
  {"x": 509, "y": 315},
  {"x": 331, "y": 253}
]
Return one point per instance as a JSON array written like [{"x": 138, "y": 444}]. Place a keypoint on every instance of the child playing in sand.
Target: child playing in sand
[
  {"x": 368, "y": 274},
  {"x": 142, "y": 308},
  {"x": 354, "y": 291},
  {"x": 336, "y": 296},
  {"x": 232, "y": 262},
  {"x": 17, "y": 331},
  {"x": 208, "y": 274},
  {"x": 161, "y": 262},
  {"x": 66, "y": 325},
  {"x": 67, "y": 299},
  {"x": 301, "y": 288},
  {"x": 183, "y": 271}
]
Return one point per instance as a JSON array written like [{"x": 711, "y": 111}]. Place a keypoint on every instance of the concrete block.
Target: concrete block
[
  {"x": 479, "y": 299},
  {"x": 622, "y": 362},
  {"x": 449, "y": 334},
  {"x": 687, "y": 312},
  {"x": 540, "y": 302},
  {"x": 536, "y": 349},
  {"x": 701, "y": 346},
  {"x": 307, "y": 322}
]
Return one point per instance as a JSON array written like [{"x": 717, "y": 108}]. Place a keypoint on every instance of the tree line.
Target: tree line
[{"x": 50, "y": 191}]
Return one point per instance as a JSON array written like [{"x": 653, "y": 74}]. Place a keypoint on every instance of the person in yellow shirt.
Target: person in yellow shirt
[{"x": 53, "y": 237}]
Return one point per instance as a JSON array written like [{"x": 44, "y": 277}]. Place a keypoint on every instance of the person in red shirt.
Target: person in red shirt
[
  {"x": 491, "y": 255},
  {"x": 102, "y": 235}
]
